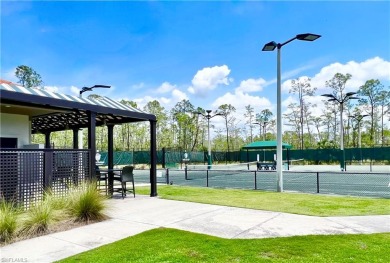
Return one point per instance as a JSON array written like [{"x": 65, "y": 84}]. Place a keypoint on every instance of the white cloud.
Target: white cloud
[
  {"x": 74, "y": 90},
  {"x": 166, "y": 87},
  {"x": 286, "y": 85},
  {"x": 287, "y": 76},
  {"x": 294, "y": 72},
  {"x": 316, "y": 101},
  {"x": 251, "y": 85},
  {"x": 208, "y": 79},
  {"x": 141, "y": 102},
  {"x": 289, "y": 100},
  {"x": 373, "y": 68},
  {"x": 178, "y": 95},
  {"x": 167, "y": 102},
  {"x": 239, "y": 100}
]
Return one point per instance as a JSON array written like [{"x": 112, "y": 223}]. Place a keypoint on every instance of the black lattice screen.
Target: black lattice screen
[
  {"x": 8, "y": 175},
  {"x": 30, "y": 177},
  {"x": 26, "y": 174},
  {"x": 69, "y": 169}
]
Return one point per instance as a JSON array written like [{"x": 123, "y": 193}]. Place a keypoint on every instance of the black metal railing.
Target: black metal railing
[{"x": 25, "y": 174}]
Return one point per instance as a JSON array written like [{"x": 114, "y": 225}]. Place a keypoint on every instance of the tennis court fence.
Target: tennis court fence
[
  {"x": 174, "y": 157},
  {"x": 339, "y": 183}
]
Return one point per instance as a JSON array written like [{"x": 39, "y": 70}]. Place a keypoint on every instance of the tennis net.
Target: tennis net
[
  {"x": 222, "y": 171},
  {"x": 223, "y": 167}
]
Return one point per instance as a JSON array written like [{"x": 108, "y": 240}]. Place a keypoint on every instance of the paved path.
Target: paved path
[{"x": 135, "y": 215}]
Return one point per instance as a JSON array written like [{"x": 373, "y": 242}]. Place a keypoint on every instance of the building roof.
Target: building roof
[
  {"x": 6, "y": 81},
  {"x": 265, "y": 145},
  {"x": 50, "y": 111}
]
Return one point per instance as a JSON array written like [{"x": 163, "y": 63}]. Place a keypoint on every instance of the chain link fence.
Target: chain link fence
[{"x": 339, "y": 183}]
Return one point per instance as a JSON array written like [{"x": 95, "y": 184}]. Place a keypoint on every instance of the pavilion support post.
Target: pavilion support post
[
  {"x": 163, "y": 157},
  {"x": 153, "y": 159},
  {"x": 75, "y": 155},
  {"x": 75, "y": 138},
  {"x": 47, "y": 140},
  {"x": 288, "y": 159},
  {"x": 92, "y": 143},
  {"x": 110, "y": 159}
]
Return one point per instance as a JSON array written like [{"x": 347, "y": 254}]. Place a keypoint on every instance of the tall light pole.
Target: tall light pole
[
  {"x": 262, "y": 127},
  {"x": 358, "y": 119},
  {"x": 270, "y": 47},
  {"x": 346, "y": 97},
  {"x": 84, "y": 89},
  {"x": 208, "y": 116},
  {"x": 264, "y": 131}
]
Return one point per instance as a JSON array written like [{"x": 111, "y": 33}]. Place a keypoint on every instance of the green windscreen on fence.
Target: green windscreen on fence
[{"x": 175, "y": 157}]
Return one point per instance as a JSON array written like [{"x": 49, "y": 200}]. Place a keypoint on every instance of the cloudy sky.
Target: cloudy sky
[{"x": 207, "y": 52}]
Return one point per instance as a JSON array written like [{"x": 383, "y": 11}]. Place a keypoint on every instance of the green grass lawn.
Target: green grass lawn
[
  {"x": 170, "y": 245},
  {"x": 296, "y": 203}
]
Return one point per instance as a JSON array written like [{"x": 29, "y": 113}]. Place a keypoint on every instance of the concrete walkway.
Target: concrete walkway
[{"x": 132, "y": 216}]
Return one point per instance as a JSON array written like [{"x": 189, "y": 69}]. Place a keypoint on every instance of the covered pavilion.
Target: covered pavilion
[
  {"x": 267, "y": 145},
  {"x": 49, "y": 112}
]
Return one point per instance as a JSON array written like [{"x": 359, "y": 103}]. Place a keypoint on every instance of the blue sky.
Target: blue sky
[{"x": 207, "y": 52}]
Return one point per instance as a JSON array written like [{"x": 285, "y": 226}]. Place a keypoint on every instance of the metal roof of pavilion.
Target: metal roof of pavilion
[
  {"x": 50, "y": 111},
  {"x": 265, "y": 145}
]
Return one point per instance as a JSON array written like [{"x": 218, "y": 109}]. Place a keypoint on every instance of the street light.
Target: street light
[
  {"x": 208, "y": 117},
  {"x": 262, "y": 125},
  {"x": 84, "y": 89},
  {"x": 270, "y": 47},
  {"x": 358, "y": 119},
  {"x": 346, "y": 97}
]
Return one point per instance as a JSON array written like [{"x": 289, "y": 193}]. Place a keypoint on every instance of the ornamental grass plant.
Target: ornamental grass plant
[
  {"x": 82, "y": 205},
  {"x": 86, "y": 203},
  {"x": 38, "y": 218},
  {"x": 8, "y": 220},
  {"x": 58, "y": 203}
]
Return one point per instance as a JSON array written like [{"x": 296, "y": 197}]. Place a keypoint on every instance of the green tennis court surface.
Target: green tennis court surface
[{"x": 358, "y": 183}]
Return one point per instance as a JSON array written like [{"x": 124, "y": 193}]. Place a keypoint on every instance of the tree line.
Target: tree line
[{"x": 185, "y": 126}]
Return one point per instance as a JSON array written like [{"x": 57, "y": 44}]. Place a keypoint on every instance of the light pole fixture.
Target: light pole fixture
[
  {"x": 258, "y": 123},
  {"x": 262, "y": 127},
  {"x": 270, "y": 47},
  {"x": 208, "y": 116},
  {"x": 84, "y": 89},
  {"x": 341, "y": 101},
  {"x": 358, "y": 119}
]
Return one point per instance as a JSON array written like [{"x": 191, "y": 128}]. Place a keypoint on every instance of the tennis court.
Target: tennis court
[{"x": 323, "y": 180}]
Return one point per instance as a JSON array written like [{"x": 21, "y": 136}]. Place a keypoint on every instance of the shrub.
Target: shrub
[
  {"x": 86, "y": 203},
  {"x": 8, "y": 220},
  {"x": 83, "y": 204},
  {"x": 38, "y": 218},
  {"x": 59, "y": 204}
]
